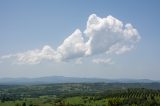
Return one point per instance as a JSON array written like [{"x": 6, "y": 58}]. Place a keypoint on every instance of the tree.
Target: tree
[{"x": 24, "y": 104}]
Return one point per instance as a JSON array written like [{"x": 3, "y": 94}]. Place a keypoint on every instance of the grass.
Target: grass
[
  {"x": 28, "y": 101},
  {"x": 86, "y": 101},
  {"x": 49, "y": 101}
]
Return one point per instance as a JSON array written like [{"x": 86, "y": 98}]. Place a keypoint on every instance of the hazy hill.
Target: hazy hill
[{"x": 62, "y": 79}]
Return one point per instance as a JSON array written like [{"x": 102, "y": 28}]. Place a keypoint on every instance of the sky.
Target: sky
[{"x": 80, "y": 38}]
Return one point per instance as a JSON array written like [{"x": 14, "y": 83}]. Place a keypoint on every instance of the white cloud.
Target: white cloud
[
  {"x": 73, "y": 46},
  {"x": 35, "y": 56},
  {"x": 107, "y": 33},
  {"x": 78, "y": 61},
  {"x": 102, "y": 61},
  {"x": 103, "y": 36}
]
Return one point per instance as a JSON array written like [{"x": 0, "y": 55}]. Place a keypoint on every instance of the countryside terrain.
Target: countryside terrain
[{"x": 81, "y": 94}]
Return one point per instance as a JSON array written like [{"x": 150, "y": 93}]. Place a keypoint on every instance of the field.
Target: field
[{"x": 81, "y": 94}]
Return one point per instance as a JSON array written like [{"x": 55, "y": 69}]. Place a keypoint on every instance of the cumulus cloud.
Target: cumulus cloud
[
  {"x": 109, "y": 35},
  {"x": 35, "y": 56},
  {"x": 102, "y": 36},
  {"x": 73, "y": 46}
]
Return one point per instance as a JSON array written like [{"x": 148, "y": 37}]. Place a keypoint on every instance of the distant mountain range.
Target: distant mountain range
[{"x": 62, "y": 79}]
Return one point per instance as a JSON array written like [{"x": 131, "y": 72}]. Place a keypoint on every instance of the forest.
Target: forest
[{"x": 81, "y": 94}]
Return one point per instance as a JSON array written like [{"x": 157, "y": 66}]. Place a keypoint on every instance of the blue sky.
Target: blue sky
[{"x": 29, "y": 25}]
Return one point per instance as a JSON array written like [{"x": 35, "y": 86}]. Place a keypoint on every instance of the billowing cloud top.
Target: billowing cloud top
[{"x": 102, "y": 36}]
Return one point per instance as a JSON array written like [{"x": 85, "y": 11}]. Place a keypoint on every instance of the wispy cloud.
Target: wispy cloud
[
  {"x": 103, "y": 36},
  {"x": 102, "y": 61}
]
